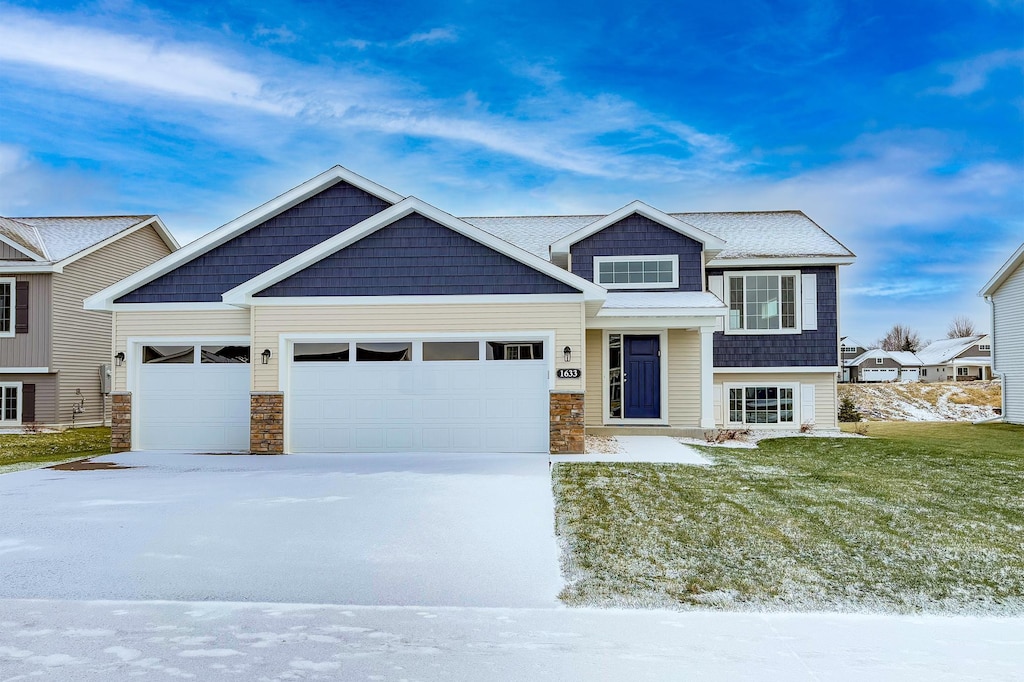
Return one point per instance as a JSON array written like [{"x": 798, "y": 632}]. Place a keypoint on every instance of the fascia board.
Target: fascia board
[
  {"x": 1004, "y": 272},
  {"x": 662, "y": 312},
  {"x": 768, "y": 262},
  {"x": 710, "y": 241},
  {"x": 101, "y": 300},
  {"x": 30, "y": 268}
]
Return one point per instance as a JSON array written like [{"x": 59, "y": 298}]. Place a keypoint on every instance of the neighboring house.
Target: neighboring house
[
  {"x": 1005, "y": 293},
  {"x": 344, "y": 317},
  {"x": 964, "y": 359},
  {"x": 849, "y": 350},
  {"x": 882, "y": 365},
  {"x": 51, "y": 349}
]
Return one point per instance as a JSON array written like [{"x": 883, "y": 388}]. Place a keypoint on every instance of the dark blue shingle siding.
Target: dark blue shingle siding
[
  {"x": 818, "y": 348},
  {"x": 206, "y": 277},
  {"x": 637, "y": 235},
  {"x": 416, "y": 256}
]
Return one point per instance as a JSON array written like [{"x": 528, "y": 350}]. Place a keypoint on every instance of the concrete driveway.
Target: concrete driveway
[{"x": 430, "y": 530}]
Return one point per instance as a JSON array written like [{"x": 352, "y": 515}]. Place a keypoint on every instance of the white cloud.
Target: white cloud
[
  {"x": 971, "y": 76},
  {"x": 431, "y": 37},
  {"x": 281, "y": 35}
]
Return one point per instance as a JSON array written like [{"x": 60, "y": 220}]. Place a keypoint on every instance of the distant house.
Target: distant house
[
  {"x": 849, "y": 349},
  {"x": 963, "y": 359},
  {"x": 52, "y": 352},
  {"x": 1005, "y": 293},
  {"x": 878, "y": 365}
]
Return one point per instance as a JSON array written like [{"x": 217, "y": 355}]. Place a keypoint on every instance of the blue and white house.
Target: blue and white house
[{"x": 344, "y": 317}]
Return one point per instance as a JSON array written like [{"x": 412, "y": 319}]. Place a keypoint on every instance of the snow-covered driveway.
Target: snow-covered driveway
[{"x": 427, "y": 530}]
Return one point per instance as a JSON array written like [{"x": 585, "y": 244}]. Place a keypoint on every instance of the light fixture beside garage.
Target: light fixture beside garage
[
  {"x": 119, "y": 359},
  {"x": 567, "y": 354},
  {"x": 265, "y": 356}
]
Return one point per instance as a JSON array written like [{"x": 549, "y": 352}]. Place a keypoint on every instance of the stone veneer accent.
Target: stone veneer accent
[
  {"x": 266, "y": 423},
  {"x": 567, "y": 424},
  {"x": 120, "y": 421}
]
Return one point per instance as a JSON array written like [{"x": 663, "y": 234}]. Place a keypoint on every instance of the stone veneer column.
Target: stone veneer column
[
  {"x": 266, "y": 423},
  {"x": 567, "y": 424},
  {"x": 120, "y": 421}
]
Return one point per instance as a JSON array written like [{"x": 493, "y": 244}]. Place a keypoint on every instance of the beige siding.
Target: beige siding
[
  {"x": 683, "y": 378},
  {"x": 1008, "y": 343},
  {"x": 81, "y": 338},
  {"x": 594, "y": 405},
  {"x": 565, "y": 319},
  {"x": 826, "y": 406},
  {"x": 31, "y": 349},
  {"x": 46, "y": 393},
  {"x": 183, "y": 324},
  {"x": 8, "y": 252}
]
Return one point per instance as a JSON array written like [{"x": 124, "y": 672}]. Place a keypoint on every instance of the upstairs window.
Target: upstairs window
[
  {"x": 7, "y": 307},
  {"x": 849, "y": 350},
  {"x": 637, "y": 272},
  {"x": 985, "y": 346},
  {"x": 763, "y": 302}
]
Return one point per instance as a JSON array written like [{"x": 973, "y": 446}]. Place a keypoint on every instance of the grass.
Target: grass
[
  {"x": 17, "y": 450},
  {"x": 921, "y": 518}
]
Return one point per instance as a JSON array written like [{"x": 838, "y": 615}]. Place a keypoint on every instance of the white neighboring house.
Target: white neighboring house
[
  {"x": 849, "y": 350},
  {"x": 962, "y": 359},
  {"x": 1005, "y": 293},
  {"x": 877, "y": 365}
]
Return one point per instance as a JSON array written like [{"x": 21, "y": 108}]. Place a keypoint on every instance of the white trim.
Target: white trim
[
  {"x": 23, "y": 249},
  {"x": 711, "y": 243},
  {"x": 30, "y": 268},
  {"x": 777, "y": 370},
  {"x": 104, "y": 300},
  {"x": 658, "y": 321},
  {"x": 17, "y": 421},
  {"x": 244, "y": 294},
  {"x": 606, "y": 420},
  {"x": 797, "y": 327},
  {"x": 14, "y": 306},
  {"x": 495, "y": 299},
  {"x": 797, "y": 406},
  {"x": 161, "y": 229},
  {"x": 662, "y": 312},
  {"x": 1003, "y": 273},
  {"x": 770, "y": 262},
  {"x": 171, "y": 307},
  {"x": 25, "y": 370},
  {"x": 672, "y": 257}
]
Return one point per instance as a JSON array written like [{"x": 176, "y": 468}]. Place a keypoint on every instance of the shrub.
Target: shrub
[{"x": 848, "y": 411}]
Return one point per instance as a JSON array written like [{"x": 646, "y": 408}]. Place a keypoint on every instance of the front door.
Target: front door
[{"x": 642, "y": 377}]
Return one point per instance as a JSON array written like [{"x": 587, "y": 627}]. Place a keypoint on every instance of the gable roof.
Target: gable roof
[
  {"x": 59, "y": 241},
  {"x": 900, "y": 357},
  {"x": 245, "y": 293},
  {"x": 945, "y": 350},
  {"x": 1008, "y": 268},
  {"x": 104, "y": 300},
  {"x": 851, "y": 342}
]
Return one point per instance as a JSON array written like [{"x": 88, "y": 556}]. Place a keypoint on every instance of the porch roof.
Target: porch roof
[{"x": 662, "y": 303}]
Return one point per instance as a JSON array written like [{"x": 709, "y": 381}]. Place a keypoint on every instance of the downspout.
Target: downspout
[{"x": 992, "y": 350}]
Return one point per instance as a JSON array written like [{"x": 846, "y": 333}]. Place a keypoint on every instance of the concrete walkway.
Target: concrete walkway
[{"x": 655, "y": 449}]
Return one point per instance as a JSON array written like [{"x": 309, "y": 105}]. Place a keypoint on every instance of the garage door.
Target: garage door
[
  {"x": 880, "y": 374},
  {"x": 419, "y": 396},
  {"x": 911, "y": 374},
  {"x": 193, "y": 398}
]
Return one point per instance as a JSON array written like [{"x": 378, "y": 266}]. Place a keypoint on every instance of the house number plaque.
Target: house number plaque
[{"x": 568, "y": 374}]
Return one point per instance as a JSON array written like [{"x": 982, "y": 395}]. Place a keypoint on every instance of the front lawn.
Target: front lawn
[
  {"x": 919, "y": 518},
  {"x": 20, "y": 450}
]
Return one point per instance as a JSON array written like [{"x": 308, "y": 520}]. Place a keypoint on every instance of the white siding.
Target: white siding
[{"x": 1008, "y": 343}]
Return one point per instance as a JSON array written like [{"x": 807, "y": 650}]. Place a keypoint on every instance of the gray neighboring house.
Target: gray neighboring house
[
  {"x": 51, "y": 349},
  {"x": 849, "y": 350},
  {"x": 1005, "y": 293},
  {"x": 879, "y": 365},
  {"x": 965, "y": 359}
]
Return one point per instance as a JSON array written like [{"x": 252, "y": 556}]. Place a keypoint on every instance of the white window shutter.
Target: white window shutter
[
  {"x": 809, "y": 293},
  {"x": 807, "y": 402},
  {"x": 716, "y": 285},
  {"x": 719, "y": 416}
]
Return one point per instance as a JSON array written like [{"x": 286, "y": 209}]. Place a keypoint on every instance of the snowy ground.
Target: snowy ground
[
  {"x": 930, "y": 402},
  {"x": 457, "y": 530},
  {"x": 110, "y": 641}
]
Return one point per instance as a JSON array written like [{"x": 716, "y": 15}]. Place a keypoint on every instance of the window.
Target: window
[
  {"x": 763, "y": 302},
  {"x": 7, "y": 306},
  {"x": 170, "y": 355},
  {"x": 985, "y": 346},
  {"x": 761, "y": 405},
  {"x": 515, "y": 350},
  {"x": 924, "y": 371},
  {"x": 224, "y": 354},
  {"x": 615, "y": 376},
  {"x": 637, "y": 272},
  {"x": 879, "y": 361},
  {"x": 450, "y": 350},
  {"x": 320, "y": 352},
  {"x": 963, "y": 371},
  {"x": 383, "y": 352},
  {"x": 848, "y": 350}
]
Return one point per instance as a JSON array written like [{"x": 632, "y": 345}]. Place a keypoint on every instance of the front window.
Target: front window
[
  {"x": 762, "y": 302},
  {"x": 637, "y": 272},
  {"x": 963, "y": 371},
  {"x": 761, "y": 405},
  {"x": 6, "y": 307},
  {"x": 10, "y": 403}
]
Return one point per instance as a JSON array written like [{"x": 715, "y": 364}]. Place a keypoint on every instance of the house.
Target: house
[
  {"x": 849, "y": 350},
  {"x": 882, "y": 365},
  {"x": 51, "y": 349},
  {"x": 342, "y": 316},
  {"x": 1005, "y": 293},
  {"x": 963, "y": 359}
]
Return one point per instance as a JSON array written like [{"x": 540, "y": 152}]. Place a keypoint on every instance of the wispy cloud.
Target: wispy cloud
[
  {"x": 282, "y": 35},
  {"x": 431, "y": 37},
  {"x": 905, "y": 288},
  {"x": 972, "y": 75}
]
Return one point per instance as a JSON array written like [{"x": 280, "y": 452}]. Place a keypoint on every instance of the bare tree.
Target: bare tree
[
  {"x": 901, "y": 337},
  {"x": 960, "y": 327}
]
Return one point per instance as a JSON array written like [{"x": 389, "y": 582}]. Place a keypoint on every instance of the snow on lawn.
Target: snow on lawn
[
  {"x": 939, "y": 401},
  {"x": 112, "y": 641}
]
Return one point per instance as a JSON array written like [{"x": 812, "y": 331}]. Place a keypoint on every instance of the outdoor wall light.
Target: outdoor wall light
[
  {"x": 265, "y": 355},
  {"x": 567, "y": 354},
  {"x": 119, "y": 359}
]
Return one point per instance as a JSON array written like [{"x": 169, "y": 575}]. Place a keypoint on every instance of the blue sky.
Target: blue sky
[{"x": 897, "y": 126}]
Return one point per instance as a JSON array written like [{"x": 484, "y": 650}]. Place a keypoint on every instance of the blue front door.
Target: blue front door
[{"x": 642, "y": 378}]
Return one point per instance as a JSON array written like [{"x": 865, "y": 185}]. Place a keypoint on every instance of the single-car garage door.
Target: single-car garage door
[
  {"x": 192, "y": 397},
  {"x": 419, "y": 396}
]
